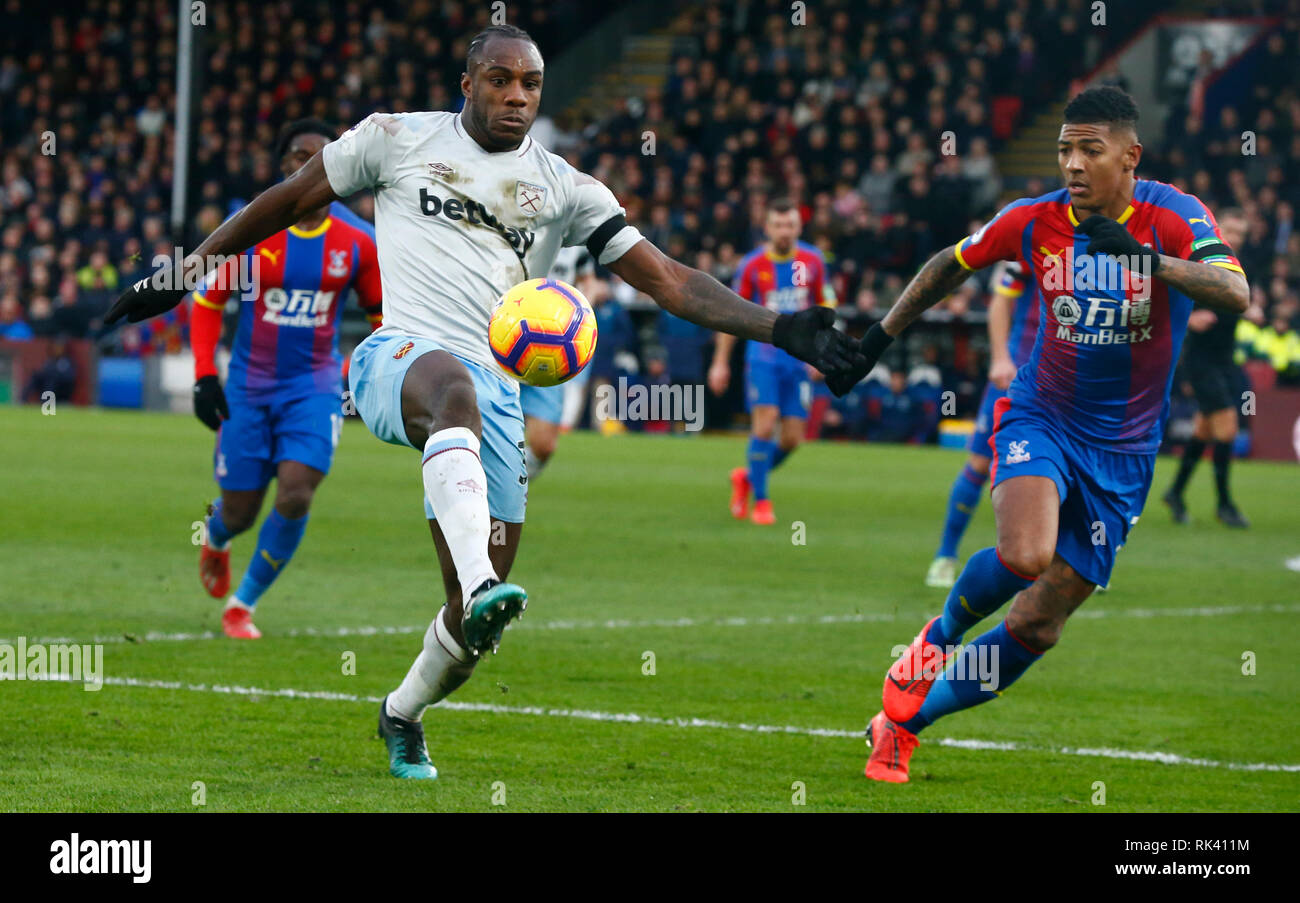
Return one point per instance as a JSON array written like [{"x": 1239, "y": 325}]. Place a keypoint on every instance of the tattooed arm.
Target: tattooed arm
[
  {"x": 691, "y": 294},
  {"x": 941, "y": 274},
  {"x": 1204, "y": 283}
]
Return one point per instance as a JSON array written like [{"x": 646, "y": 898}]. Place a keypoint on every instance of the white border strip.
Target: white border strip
[
  {"x": 633, "y": 718},
  {"x": 664, "y": 623}
]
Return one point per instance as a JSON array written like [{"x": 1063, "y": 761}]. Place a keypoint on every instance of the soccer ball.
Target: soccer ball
[{"x": 542, "y": 332}]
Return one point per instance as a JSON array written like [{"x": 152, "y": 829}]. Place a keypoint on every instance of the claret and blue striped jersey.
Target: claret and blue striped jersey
[
  {"x": 1106, "y": 343},
  {"x": 785, "y": 285},
  {"x": 286, "y": 344}
]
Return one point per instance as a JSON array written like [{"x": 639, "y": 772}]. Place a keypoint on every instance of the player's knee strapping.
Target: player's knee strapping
[
  {"x": 456, "y": 486},
  {"x": 984, "y": 586}
]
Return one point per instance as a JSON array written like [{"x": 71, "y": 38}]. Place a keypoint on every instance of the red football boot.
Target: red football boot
[
  {"x": 214, "y": 571},
  {"x": 891, "y": 750},
  {"x": 762, "y": 513},
  {"x": 739, "y": 493},
  {"x": 237, "y": 622},
  {"x": 910, "y": 677}
]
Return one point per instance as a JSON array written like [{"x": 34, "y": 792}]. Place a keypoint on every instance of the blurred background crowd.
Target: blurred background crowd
[{"x": 847, "y": 115}]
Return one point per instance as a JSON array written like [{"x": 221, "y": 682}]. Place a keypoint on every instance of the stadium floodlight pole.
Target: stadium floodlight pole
[{"x": 184, "y": 85}]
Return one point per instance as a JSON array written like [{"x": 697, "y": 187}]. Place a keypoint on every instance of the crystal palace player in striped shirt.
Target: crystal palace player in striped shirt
[
  {"x": 785, "y": 275},
  {"x": 1118, "y": 262},
  {"x": 284, "y": 382}
]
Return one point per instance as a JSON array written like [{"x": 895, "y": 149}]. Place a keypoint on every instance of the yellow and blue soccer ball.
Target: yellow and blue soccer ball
[{"x": 542, "y": 332}]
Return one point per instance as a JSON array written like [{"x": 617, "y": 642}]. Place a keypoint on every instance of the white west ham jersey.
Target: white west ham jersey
[{"x": 457, "y": 226}]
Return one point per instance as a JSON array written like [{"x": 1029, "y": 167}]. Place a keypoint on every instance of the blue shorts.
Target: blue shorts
[
  {"x": 788, "y": 388},
  {"x": 1102, "y": 492},
  {"x": 979, "y": 440},
  {"x": 379, "y": 366},
  {"x": 257, "y": 437},
  {"x": 543, "y": 403}
]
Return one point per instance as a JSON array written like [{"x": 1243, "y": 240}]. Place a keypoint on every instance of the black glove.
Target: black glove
[
  {"x": 144, "y": 300},
  {"x": 1109, "y": 237},
  {"x": 873, "y": 345},
  {"x": 811, "y": 336},
  {"x": 210, "y": 402}
]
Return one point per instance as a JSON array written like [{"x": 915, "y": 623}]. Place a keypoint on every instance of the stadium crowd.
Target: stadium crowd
[{"x": 846, "y": 115}]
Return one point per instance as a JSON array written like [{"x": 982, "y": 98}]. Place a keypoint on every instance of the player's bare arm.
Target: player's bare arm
[
  {"x": 1001, "y": 368},
  {"x": 941, "y": 274},
  {"x": 1205, "y": 283},
  {"x": 277, "y": 208},
  {"x": 696, "y": 296}
]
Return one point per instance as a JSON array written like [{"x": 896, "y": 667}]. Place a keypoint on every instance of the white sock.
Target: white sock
[
  {"x": 233, "y": 602},
  {"x": 441, "y": 667},
  {"x": 456, "y": 487},
  {"x": 535, "y": 464}
]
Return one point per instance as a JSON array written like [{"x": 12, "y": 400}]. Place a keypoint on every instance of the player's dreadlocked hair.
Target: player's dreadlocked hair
[
  {"x": 1107, "y": 105},
  {"x": 302, "y": 127},
  {"x": 494, "y": 31}
]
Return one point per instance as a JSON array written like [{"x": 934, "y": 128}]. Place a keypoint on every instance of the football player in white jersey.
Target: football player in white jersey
[
  {"x": 467, "y": 205},
  {"x": 546, "y": 407}
]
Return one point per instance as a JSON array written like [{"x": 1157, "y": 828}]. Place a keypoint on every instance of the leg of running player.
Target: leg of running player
[
  {"x": 1027, "y": 513},
  {"x": 1223, "y": 430},
  {"x": 542, "y": 438},
  {"x": 280, "y": 535},
  {"x": 792, "y": 431},
  {"x": 1192, "y": 453},
  {"x": 962, "y": 502},
  {"x": 762, "y": 452},
  {"x": 229, "y": 516},
  {"x": 440, "y": 414}
]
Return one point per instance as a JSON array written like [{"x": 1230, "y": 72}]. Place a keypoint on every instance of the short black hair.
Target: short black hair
[
  {"x": 479, "y": 41},
  {"x": 1108, "y": 105},
  {"x": 780, "y": 205},
  {"x": 298, "y": 127}
]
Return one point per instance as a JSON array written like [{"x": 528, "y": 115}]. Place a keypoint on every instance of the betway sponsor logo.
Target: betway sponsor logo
[
  {"x": 1115, "y": 321},
  {"x": 475, "y": 214},
  {"x": 300, "y": 307}
]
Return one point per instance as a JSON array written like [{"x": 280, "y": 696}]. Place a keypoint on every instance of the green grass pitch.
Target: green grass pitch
[{"x": 629, "y": 552}]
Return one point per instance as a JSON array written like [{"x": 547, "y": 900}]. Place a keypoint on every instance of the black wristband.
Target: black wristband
[
  {"x": 781, "y": 331},
  {"x": 875, "y": 342}
]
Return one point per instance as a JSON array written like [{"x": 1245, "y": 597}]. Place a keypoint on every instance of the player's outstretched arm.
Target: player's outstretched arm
[
  {"x": 809, "y": 335},
  {"x": 935, "y": 281},
  {"x": 276, "y": 208}
]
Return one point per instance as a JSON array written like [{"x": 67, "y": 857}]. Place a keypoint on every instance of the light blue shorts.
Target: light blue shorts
[
  {"x": 379, "y": 366},
  {"x": 542, "y": 403}
]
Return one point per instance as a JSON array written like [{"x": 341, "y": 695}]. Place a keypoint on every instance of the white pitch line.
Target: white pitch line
[
  {"x": 670, "y": 623},
  {"x": 1162, "y": 758}
]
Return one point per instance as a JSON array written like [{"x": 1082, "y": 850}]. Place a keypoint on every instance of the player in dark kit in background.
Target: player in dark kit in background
[{"x": 1217, "y": 380}]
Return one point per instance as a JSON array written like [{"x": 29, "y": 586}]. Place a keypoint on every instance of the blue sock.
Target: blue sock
[
  {"x": 780, "y": 455},
  {"x": 761, "y": 453},
  {"x": 276, "y": 544},
  {"x": 996, "y": 657},
  {"x": 218, "y": 533},
  {"x": 962, "y": 501},
  {"x": 981, "y": 589}
]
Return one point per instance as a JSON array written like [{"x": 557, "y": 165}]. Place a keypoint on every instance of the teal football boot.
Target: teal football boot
[
  {"x": 492, "y": 606},
  {"x": 408, "y": 757}
]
